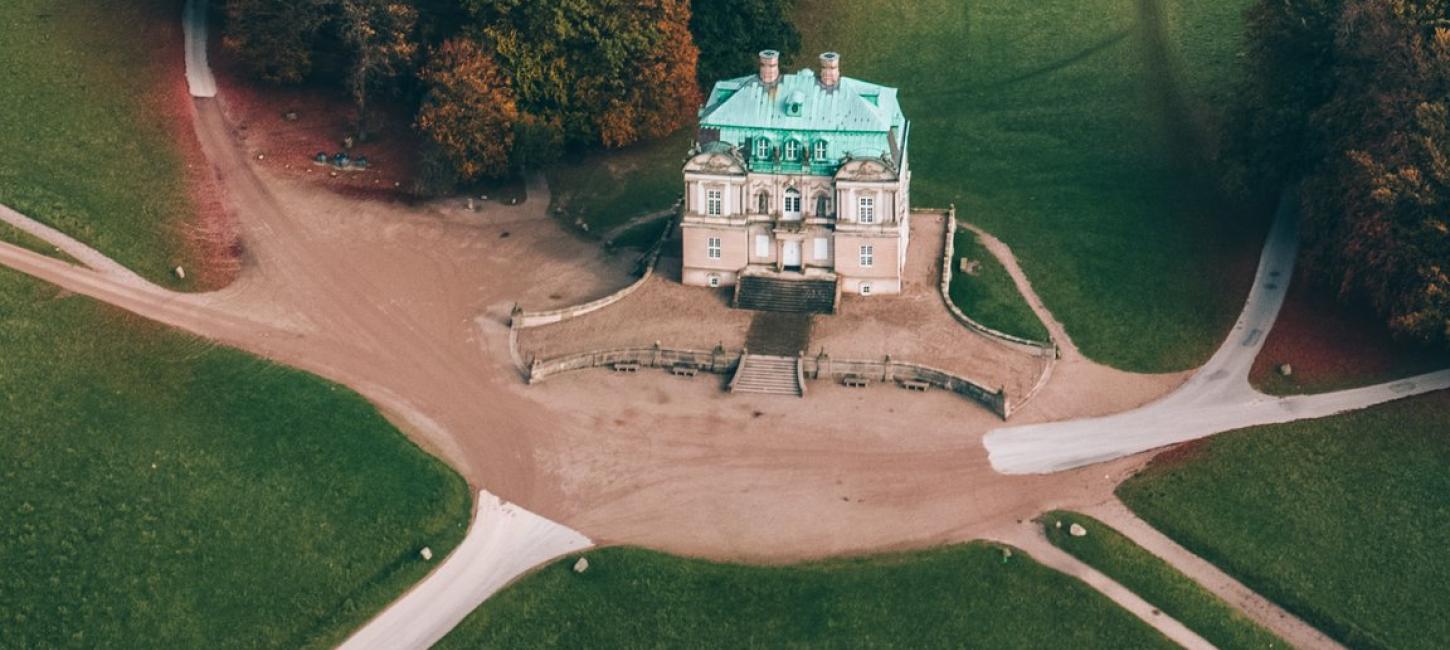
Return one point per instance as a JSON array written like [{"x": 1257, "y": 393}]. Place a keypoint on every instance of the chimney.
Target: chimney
[
  {"x": 830, "y": 69},
  {"x": 769, "y": 67}
]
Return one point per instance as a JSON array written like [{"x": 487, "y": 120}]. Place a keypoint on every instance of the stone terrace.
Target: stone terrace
[{"x": 912, "y": 327}]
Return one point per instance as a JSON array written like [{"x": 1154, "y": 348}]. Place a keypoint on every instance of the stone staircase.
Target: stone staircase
[
  {"x": 802, "y": 296},
  {"x": 759, "y": 373}
]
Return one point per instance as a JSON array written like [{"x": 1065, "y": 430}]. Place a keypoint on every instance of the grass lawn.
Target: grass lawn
[
  {"x": 990, "y": 297},
  {"x": 1067, "y": 128},
  {"x": 157, "y": 491},
  {"x": 84, "y": 144},
  {"x": 1157, "y": 582},
  {"x": 957, "y": 596},
  {"x": 603, "y": 189},
  {"x": 1342, "y": 521},
  {"x": 162, "y": 491}
]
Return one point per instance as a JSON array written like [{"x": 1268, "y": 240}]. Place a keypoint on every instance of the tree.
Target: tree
[
  {"x": 731, "y": 32},
  {"x": 379, "y": 36},
  {"x": 1349, "y": 97},
  {"x": 469, "y": 111},
  {"x": 602, "y": 72},
  {"x": 275, "y": 39}
]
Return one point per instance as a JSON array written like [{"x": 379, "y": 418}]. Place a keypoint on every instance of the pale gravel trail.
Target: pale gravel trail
[
  {"x": 1030, "y": 537},
  {"x": 1261, "y": 610},
  {"x": 1216, "y": 398}
]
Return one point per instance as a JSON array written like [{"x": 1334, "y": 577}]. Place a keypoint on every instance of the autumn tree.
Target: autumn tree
[
  {"x": 469, "y": 111},
  {"x": 380, "y": 39},
  {"x": 731, "y": 32},
  {"x": 606, "y": 72},
  {"x": 1349, "y": 99},
  {"x": 275, "y": 39}
]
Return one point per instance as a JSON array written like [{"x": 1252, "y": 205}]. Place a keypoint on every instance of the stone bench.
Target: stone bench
[
  {"x": 684, "y": 370},
  {"x": 855, "y": 381},
  {"x": 912, "y": 384},
  {"x": 626, "y": 366}
]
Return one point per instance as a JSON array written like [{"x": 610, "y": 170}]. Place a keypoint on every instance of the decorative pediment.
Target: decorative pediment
[
  {"x": 716, "y": 158},
  {"x": 867, "y": 169}
]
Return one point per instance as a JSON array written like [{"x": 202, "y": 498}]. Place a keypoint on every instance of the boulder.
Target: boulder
[
  {"x": 581, "y": 566},
  {"x": 426, "y": 553},
  {"x": 1076, "y": 530},
  {"x": 1286, "y": 369},
  {"x": 180, "y": 273}
]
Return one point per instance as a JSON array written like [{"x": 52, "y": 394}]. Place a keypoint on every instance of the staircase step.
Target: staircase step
[
  {"x": 763, "y": 293},
  {"x": 767, "y": 375}
]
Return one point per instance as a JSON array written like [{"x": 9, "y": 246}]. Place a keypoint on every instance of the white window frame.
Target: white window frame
[
  {"x": 865, "y": 288},
  {"x": 712, "y": 248},
  {"x": 762, "y": 148},
  {"x": 792, "y": 150},
  {"x": 818, "y": 151},
  {"x": 868, "y": 256},
  {"x": 866, "y": 209},
  {"x": 714, "y": 202},
  {"x": 714, "y": 280},
  {"x": 822, "y": 248},
  {"x": 762, "y": 245},
  {"x": 785, "y": 205}
]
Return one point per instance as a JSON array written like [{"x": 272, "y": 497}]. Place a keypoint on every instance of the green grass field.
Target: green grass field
[
  {"x": 990, "y": 297},
  {"x": 1070, "y": 130},
  {"x": 156, "y": 491},
  {"x": 957, "y": 596},
  {"x": 164, "y": 492},
  {"x": 1157, "y": 582},
  {"x": 84, "y": 148},
  {"x": 604, "y": 189},
  {"x": 1342, "y": 521}
]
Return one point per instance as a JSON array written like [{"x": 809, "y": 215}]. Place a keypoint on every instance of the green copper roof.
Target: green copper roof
[{"x": 853, "y": 106}]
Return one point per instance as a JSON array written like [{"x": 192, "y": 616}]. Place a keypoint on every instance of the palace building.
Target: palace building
[{"x": 798, "y": 177}]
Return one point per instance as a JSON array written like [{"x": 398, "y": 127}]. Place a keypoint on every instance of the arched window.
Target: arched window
[
  {"x": 818, "y": 152},
  {"x": 762, "y": 203},
  {"x": 823, "y": 205},
  {"x": 791, "y": 211},
  {"x": 762, "y": 148},
  {"x": 792, "y": 150}
]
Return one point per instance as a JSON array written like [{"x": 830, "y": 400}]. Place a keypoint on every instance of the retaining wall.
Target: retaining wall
[{"x": 521, "y": 318}]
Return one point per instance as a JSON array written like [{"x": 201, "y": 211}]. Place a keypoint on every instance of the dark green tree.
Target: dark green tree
[{"x": 729, "y": 33}]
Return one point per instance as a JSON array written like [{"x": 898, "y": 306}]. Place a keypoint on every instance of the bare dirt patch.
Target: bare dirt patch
[
  {"x": 1330, "y": 346},
  {"x": 263, "y": 115}
]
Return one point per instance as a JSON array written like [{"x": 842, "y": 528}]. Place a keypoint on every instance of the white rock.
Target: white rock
[
  {"x": 427, "y": 553},
  {"x": 581, "y": 566},
  {"x": 1286, "y": 369},
  {"x": 180, "y": 272},
  {"x": 1076, "y": 530}
]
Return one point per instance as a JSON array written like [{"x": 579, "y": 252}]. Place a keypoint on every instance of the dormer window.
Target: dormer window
[
  {"x": 762, "y": 148},
  {"x": 818, "y": 152},
  {"x": 792, "y": 150},
  {"x": 794, "y": 102}
]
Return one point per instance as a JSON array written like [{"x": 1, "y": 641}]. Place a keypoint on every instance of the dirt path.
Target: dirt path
[
  {"x": 1030, "y": 537},
  {"x": 1274, "y": 618}
]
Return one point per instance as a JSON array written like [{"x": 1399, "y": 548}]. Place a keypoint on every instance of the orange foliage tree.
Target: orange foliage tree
[{"x": 469, "y": 110}]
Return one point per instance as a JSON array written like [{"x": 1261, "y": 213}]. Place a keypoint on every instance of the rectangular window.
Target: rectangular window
[
  {"x": 868, "y": 255},
  {"x": 792, "y": 150},
  {"x": 823, "y": 248},
  {"x": 762, "y": 148},
  {"x": 866, "y": 210},
  {"x": 819, "y": 155},
  {"x": 762, "y": 245},
  {"x": 712, "y": 248},
  {"x": 713, "y": 202}
]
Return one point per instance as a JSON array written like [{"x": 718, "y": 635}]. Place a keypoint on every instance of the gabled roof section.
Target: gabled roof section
[{"x": 746, "y": 103}]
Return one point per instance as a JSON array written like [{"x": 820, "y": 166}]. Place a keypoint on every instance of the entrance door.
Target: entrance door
[
  {"x": 790, "y": 254},
  {"x": 792, "y": 208}
]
